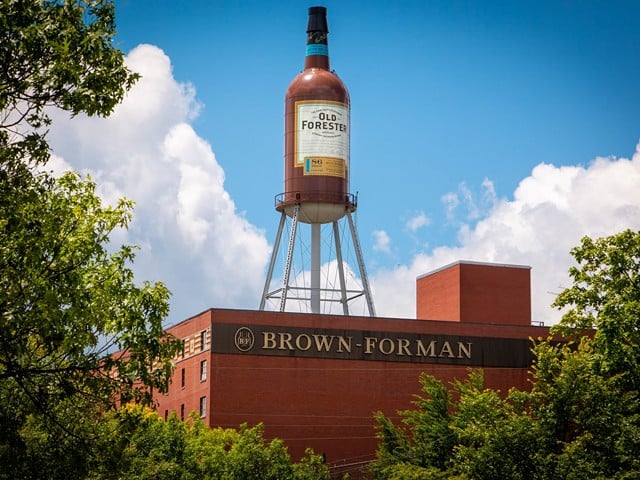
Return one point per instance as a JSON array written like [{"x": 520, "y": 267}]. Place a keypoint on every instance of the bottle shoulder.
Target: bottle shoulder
[{"x": 318, "y": 81}]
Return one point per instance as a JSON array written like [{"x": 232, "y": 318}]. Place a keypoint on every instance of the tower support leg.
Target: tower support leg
[
  {"x": 315, "y": 267},
  {"x": 272, "y": 262},
  {"x": 287, "y": 266},
  {"x": 343, "y": 285},
  {"x": 363, "y": 272}
]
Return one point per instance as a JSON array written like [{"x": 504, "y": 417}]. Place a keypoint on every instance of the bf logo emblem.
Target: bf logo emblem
[{"x": 244, "y": 339}]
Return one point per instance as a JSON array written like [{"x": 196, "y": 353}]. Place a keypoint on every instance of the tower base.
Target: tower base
[{"x": 315, "y": 294}]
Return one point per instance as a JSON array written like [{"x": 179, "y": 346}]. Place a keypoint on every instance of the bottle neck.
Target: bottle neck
[
  {"x": 316, "y": 61},
  {"x": 317, "y": 53}
]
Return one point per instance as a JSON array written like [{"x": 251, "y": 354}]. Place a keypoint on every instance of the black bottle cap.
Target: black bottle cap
[{"x": 317, "y": 20}]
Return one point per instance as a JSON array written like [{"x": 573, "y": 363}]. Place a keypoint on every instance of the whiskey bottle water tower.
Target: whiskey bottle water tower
[{"x": 316, "y": 176}]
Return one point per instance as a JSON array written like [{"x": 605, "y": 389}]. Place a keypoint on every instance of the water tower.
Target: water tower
[{"x": 316, "y": 176}]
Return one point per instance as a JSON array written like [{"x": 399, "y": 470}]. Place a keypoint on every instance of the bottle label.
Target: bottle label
[
  {"x": 317, "y": 44},
  {"x": 317, "y": 49},
  {"x": 322, "y": 138}
]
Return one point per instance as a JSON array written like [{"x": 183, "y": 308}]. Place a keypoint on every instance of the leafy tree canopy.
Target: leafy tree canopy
[
  {"x": 67, "y": 300},
  {"x": 581, "y": 419},
  {"x": 605, "y": 296},
  {"x": 66, "y": 304},
  {"x": 141, "y": 445},
  {"x": 54, "y": 54}
]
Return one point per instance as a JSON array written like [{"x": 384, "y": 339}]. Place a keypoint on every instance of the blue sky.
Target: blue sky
[{"x": 485, "y": 131}]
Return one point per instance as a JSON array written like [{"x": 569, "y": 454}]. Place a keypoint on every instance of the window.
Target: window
[
  {"x": 166, "y": 414},
  {"x": 203, "y": 340},
  {"x": 203, "y": 370},
  {"x": 182, "y": 378},
  {"x": 182, "y": 411},
  {"x": 203, "y": 407}
]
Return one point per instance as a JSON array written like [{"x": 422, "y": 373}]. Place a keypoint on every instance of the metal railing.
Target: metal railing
[{"x": 289, "y": 198}]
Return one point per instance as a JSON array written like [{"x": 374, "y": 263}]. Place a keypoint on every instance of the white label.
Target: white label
[{"x": 322, "y": 134}]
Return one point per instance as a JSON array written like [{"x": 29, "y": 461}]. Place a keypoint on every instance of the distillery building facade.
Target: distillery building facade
[{"x": 316, "y": 380}]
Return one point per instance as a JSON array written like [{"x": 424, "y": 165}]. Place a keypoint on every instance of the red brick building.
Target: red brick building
[{"x": 316, "y": 380}]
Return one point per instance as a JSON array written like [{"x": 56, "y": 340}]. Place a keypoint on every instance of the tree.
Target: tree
[
  {"x": 605, "y": 296},
  {"x": 66, "y": 300},
  {"x": 581, "y": 419},
  {"x": 586, "y": 425},
  {"x": 477, "y": 435},
  {"x": 429, "y": 440},
  {"x": 139, "y": 445},
  {"x": 66, "y": 304},
  {"x": 54, "y": 54}
]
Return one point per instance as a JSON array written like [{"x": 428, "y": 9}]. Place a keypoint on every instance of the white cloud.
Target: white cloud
[
  {"x": 473, "y": 209},
  {"x": 418, "y": 221},
  {"x": 451, "y": 202},
  {"x": 56, "y": 165},
  {"x": 489, "y": 197},
  {"x": 382, "y": 241},
  {"x": 191, "y": 235},
  {"x": 551, "y": 210}
]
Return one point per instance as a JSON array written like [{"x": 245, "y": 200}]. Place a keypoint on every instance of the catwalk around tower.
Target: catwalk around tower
[{"x": 316, "y": 175}]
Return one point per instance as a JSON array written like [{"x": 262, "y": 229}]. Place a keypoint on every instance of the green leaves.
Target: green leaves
[
  {"x": 606, "y": 296},
  {"x": 581, "y": 419},
  {"x": 60, "y": 53},
  {"x": 139, "y": 445},
  {"x": 67, "y": 299},
  {"x": 56, "y": 54},
  {"x": 67, "y": 302},
  {"x": 477, "y": 435}
]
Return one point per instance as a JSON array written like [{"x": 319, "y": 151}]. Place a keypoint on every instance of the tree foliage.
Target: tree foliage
[
  {"x": 67, "y": 299},
  {"x": 605, "y": 295},
  {"x": 587, "y": 426},
  {"x": 581, "y": 419},
  {"x": 67, "y": 303},
  {"x": 470, "y": 432},
  {"x": 140, "y": 445},
  {"x": 54, "y": 54}
]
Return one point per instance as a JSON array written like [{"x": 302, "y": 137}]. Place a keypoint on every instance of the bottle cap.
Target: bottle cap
[{"x": 317, "y": 20}]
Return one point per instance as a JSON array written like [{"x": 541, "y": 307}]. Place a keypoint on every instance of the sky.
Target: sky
[{"x": 485, "y": 131}]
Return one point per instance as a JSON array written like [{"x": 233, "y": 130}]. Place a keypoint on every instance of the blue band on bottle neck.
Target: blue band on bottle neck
[{"x": 318, "y": 49}]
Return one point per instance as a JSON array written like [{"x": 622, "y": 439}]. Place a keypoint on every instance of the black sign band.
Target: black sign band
[{"x": 368, "y": 345}]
